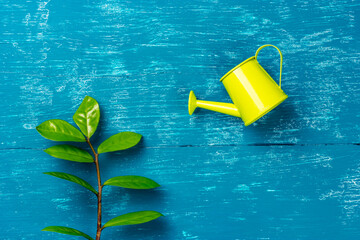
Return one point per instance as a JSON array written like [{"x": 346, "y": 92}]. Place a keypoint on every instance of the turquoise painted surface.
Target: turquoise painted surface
[{"x": 292, "y": 175}]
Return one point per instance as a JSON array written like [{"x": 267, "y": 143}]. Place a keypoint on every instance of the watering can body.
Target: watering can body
[{"x": 252, "y": 90}]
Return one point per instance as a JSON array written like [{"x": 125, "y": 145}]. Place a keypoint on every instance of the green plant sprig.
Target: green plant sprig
[{"x": 87, "y": 119}]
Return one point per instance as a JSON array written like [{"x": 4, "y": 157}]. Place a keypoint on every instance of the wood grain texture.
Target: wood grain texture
[{"x": 294, "y": 174}]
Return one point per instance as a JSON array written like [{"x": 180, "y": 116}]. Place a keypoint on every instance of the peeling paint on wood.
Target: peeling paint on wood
[{"x": 294, "y": 174}]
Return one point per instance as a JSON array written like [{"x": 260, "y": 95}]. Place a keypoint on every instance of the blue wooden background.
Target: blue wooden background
[{"x": 294, "y": 174}]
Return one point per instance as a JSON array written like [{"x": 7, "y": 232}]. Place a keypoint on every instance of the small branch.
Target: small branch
[
  {"x": 100, "y": 186},
  {"x": 93, "y": 150}
]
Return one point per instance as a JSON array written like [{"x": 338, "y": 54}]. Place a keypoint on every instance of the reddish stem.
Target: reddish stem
[{"x": 96, "y": 161}]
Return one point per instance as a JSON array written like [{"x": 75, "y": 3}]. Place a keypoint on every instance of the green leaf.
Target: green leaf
[
  {"x": 120, "y": 141},
  {"x": 70, "y": 153},
  {"x": 133, "y": 218},
  {"x": 87, "y": 116},
  {"x": 72, "y": 178},
  {"x": 60, "y": 130},
  {"x": 67, "y": 230},
  {"x": 133, "y": 182}
]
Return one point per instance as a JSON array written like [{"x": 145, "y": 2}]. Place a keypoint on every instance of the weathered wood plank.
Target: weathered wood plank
[
  {"x": 160, "y": 112},
  {"x": 279, "y": 192},
  {"x": 140, "y": 64}
]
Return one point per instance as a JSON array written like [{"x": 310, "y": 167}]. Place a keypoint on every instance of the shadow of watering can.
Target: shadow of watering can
[{"x": 252, "y": 90}]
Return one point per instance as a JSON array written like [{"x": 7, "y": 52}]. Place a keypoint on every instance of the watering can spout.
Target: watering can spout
[{"x": 226, "y": 108}]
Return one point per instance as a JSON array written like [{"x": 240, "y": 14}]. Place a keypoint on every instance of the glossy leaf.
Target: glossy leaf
[
  {"x": 87, "y": 116},
  {"x": 133, "y": 218},
  {"x": 120, "y": 141},
  {"x": 69, "y": 153},
  {"x": 67, "y": 230},
  {"x": 72, "y": 178},
  {"x": 60, "y": 130},
  {"x": 133, "y": 182}
]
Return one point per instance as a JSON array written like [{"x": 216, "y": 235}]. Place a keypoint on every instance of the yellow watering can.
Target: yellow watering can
[{"x": 250, "y": 87}]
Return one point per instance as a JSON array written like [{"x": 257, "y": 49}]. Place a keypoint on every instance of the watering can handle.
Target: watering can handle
[{"x": 281, "y": 58}]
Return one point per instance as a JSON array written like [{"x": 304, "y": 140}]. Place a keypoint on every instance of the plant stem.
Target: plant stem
[{"x": 96, "y": 161}]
